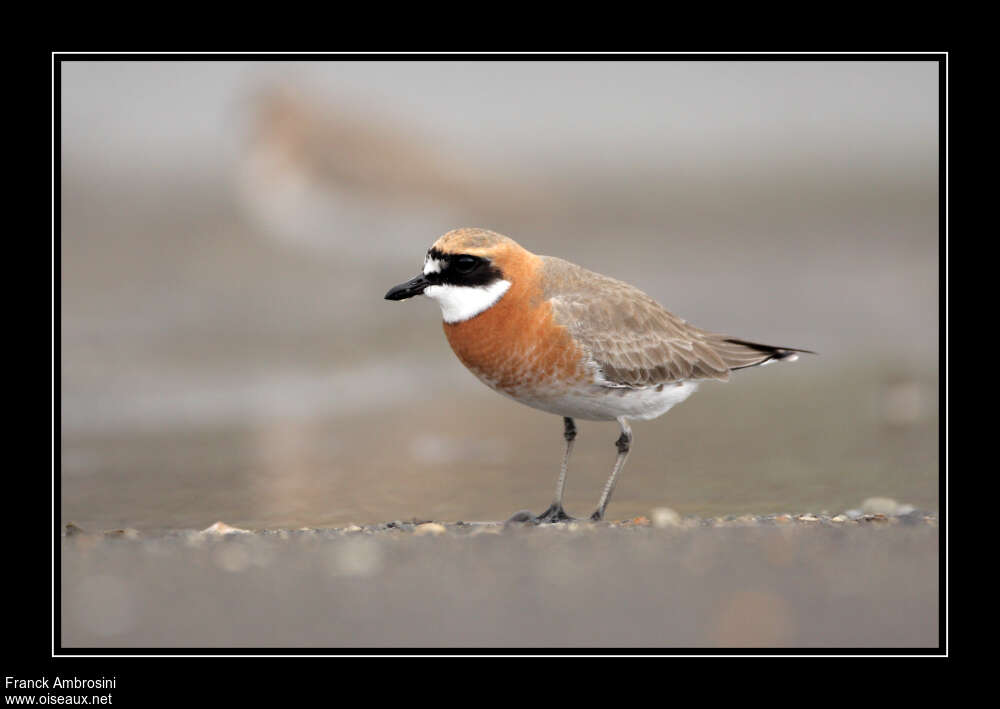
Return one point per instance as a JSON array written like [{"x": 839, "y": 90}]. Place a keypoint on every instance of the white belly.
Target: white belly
[{"x": 599, "y": 403}]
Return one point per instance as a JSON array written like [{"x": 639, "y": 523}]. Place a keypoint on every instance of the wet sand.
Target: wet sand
[{"x": 815, "y": 581}]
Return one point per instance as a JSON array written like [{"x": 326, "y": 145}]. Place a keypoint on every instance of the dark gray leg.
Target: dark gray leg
[
  {"x": 556, "y": 513},
  {"x": 623, "y": 443}
]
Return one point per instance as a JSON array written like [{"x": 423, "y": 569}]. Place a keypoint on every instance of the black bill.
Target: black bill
[{"x": 409, "y": 289}]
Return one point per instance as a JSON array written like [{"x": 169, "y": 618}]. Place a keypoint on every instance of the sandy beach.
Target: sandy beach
[{"x": 677, "y": 582}]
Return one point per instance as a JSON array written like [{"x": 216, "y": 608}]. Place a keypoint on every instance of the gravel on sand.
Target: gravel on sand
[{"x": 856, "y": 579}]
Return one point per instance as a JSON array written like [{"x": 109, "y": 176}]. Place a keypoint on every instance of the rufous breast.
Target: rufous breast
[{"x": 516, "y": 346}]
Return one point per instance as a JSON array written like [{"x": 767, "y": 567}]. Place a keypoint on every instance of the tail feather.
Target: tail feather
[{"x": 740, "y": 354}]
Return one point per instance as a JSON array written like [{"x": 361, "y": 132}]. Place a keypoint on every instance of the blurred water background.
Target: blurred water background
[{"x": 229, "y": 229}]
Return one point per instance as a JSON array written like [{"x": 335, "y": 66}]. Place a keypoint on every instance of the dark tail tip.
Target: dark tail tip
[{"x": 775, "y": 352}]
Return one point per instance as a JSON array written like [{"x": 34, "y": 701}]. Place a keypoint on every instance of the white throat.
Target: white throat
[{"x": 460, "y": 303}]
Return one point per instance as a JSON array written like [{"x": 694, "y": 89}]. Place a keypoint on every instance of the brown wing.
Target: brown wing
[{"x": 633, "y": 339}]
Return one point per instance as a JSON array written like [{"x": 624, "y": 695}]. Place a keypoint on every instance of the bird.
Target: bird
[{"x": 566, "y": 340}]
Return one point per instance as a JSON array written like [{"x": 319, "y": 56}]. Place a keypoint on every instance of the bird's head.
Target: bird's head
[{"x": 467, "y": 271}]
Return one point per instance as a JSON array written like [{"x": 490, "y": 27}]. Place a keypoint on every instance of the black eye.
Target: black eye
[{"x": 466, "y": 264}]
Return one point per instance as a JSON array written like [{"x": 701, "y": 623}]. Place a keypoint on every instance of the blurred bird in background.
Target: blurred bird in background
[{"x": 317, "y": 174}]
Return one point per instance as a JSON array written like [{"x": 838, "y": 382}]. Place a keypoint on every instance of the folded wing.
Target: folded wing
[{"x": 633, "y": 340}]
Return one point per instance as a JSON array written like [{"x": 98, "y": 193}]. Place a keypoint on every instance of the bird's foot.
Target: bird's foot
[{"x": 555, "y": 513}]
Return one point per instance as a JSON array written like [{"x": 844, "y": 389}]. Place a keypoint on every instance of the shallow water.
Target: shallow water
[
  {"x": 208, "y": 373},
  {"x": 769, "y": 441}
]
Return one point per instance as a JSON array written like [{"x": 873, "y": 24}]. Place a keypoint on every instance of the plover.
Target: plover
[{"x": 560, "y": 338}]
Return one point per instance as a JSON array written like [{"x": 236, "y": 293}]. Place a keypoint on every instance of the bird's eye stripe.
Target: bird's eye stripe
[{"x": 459, "y": 269}]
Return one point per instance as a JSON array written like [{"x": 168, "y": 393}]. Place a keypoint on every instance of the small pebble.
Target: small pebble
[
  {"x": 875, "y": 518},
  {"x": 72, "y": 529},
  {"x": 222, "y": 528},
  {"x": 486, "y": 530},
  {"x": 880, "y": 505},
  {"x": 128, "y": 533},
  {"x": 432, "y": 528},
  {"x": 839, "y": 518},
  {"x": 807, "y": 517},
  {"x": 520, "y": 517},
  {"x": 665, "y": 517}
]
